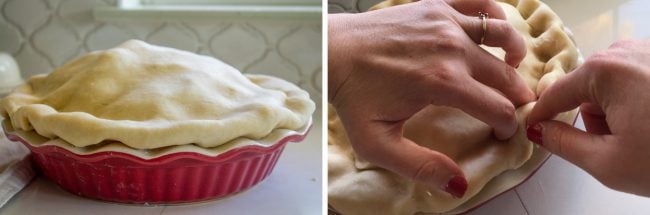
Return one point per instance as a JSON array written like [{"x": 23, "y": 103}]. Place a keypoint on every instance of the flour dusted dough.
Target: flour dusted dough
[
  {"x": 358, "y": 187},
  {"x": 146, "y": 96}
]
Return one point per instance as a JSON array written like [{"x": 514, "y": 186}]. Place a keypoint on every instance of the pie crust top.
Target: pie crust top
[
  {"x": 359, "y": 187},
  {"x": 147, "y": 97}
]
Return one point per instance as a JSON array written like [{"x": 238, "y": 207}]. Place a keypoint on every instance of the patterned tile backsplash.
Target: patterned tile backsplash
[
  {"x": 44, "y": 34},
  {"x": 350, "y": 6}
]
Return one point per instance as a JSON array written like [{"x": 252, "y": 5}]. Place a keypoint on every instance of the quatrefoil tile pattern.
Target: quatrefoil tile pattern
[
  {"x": 44, "y": 34},
  {"x": 350, "y": 6}
]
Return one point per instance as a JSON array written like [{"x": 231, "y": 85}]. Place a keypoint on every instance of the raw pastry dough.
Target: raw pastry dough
[
  {"x": 146, "y": 97},
  {"x": 358, "y": 187}
]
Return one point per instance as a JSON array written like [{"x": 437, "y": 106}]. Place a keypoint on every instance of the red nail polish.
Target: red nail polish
[
  {"x": 456, "y": 186},
  {"x": 534, "y": 133}
]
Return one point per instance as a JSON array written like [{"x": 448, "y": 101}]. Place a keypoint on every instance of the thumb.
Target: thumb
[{"x": 583, "y": 149}]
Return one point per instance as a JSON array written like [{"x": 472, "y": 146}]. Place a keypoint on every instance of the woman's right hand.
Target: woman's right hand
[{"x": 612, "y": 89}]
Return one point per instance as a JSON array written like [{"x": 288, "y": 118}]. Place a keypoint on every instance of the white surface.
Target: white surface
[
  {"x": 560, "y": 187},
  {"x": 294, "y": 187}
]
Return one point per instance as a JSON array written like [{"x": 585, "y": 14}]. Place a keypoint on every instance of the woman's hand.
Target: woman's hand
[
  {"x": 386, "y": 65},
  {"x": 612, "y": 89}
]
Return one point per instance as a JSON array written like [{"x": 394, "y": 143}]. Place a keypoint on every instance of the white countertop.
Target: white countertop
[
  {"x": 559, "y": 187},
  {"x": 294, "y": 187}
]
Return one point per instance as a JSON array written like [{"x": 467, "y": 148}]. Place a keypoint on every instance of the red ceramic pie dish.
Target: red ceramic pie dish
[{"x": 178, "y": 177}]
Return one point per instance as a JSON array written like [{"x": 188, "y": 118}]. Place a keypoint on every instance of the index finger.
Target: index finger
[{"x": 565, "y": 94}]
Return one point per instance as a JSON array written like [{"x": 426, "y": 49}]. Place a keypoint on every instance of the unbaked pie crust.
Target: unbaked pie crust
[
  {"x": 150, "y": 97},
  {"x": 358, "y": 187}
]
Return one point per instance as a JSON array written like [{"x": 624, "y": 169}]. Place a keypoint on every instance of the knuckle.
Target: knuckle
[
  {"x": 507, "y": 112},
  {"x": 506, "y": 30},
  {"x": 606, "y": 69},
  {"x": 427, "y": 170},
  {"x": 433, "y": 8},
  {"x": 364, "y": 149},
  {"x": 364, "y": 152},
  {"x": 604, "y": 60},
  {"x": 600, "y": 64},
  {"x": 452, "y": 46},
  {"x": 502, "y": 115},
  {"x": 448, "y": 42},
  {"x": 509, "y": 32},
  {"x": 443, "y": 76}
]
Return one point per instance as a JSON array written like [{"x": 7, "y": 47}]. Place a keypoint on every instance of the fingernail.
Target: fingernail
[
  {"x": 534, "y": 133},
  {"x": 456, "y": 186}
]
